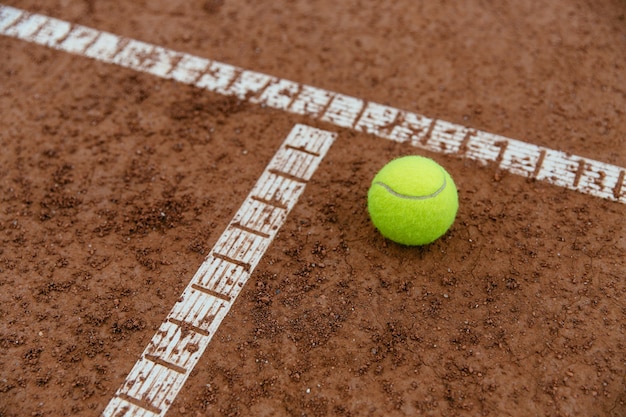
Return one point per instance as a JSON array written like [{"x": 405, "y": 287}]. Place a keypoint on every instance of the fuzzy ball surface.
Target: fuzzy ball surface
[{"x": 412, "y": 200}]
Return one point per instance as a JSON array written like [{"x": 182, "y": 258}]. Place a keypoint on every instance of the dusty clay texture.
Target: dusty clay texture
[{"x": 114, "y": 186}]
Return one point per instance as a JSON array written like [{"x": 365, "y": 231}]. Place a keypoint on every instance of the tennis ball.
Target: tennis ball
[{"x": 412, "y": 200}]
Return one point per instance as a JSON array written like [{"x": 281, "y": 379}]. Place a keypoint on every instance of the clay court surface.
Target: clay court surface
[{"x": 115, "y": 185}]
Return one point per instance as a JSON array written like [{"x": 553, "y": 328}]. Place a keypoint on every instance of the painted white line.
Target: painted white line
[
  {"x": 279, "y": 94},
  {"x": 486, "y": 147},
  {"x": 217, "y": 77},
  {"x": 156, "y": 379},
  {"x": 376, "y": 119},
  {"x": 189, "y": 69},
  {"x": 409, "y": 127},
  {"x": 79, "y": 39},
  {"x": 558, "y": 168},
  {"x": 248, "y": 85},
  {"x": 520, "y": 158},
  {"x": 445, "y": 137},
  {"x": 25, "y": 26},
  {"x": 8, "y": 16},
  {"x": 555, "y": 167},
  {"x": 154, "y": 60},
  {"x": 343, "y": 110},
  {"x": 310, "y": 101}
]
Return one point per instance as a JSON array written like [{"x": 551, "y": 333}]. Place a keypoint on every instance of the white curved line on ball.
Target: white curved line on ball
[{"x": 413, "y": 197}]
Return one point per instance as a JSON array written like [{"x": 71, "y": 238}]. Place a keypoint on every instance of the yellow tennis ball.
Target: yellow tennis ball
[{"x": 412, "y": 200}]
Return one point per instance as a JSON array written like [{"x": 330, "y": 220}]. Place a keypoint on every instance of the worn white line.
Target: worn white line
[
  {"x": 260, "y": 216},
  {"x": 218, "y": 77},
  {"x": 175, "y": 349},
  {"x": 188, "y": 69},
  {"x": 377, "y": 119},
  {"x": 248, "y": 85},
  {"x": 310, "y": 101},
  {"x": 574, "y": 172},
  {"x": 343, "y": 110},
  {"x": 485, "y": 147},
  {"x": 558, "y": 168},
  {"x": 279, "y": 94},
  {"x": 520, "y": 158},
  {"x": 8, "y": 17},
  {"x": 152, "y": 384}
]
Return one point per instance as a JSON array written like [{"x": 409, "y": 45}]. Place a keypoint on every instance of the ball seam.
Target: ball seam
[{"x": 413, "y": 197}]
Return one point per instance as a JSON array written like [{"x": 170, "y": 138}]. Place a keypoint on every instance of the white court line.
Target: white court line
[
  {"x": 555, "y": 167},
  {"x": 155, "y": 380}
]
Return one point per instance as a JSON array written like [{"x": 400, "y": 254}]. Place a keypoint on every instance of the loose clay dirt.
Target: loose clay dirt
[{"x": 114, "y": 185}]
